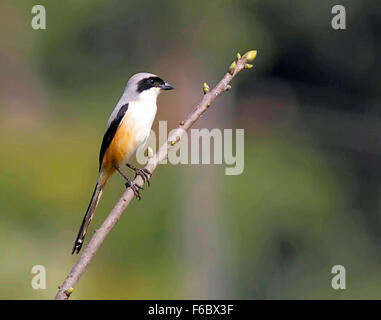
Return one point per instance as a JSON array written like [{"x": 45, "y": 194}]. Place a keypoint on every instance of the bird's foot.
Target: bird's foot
[
  {"x": 135, "y": 188},
  {"x": 145, "y": 174}
]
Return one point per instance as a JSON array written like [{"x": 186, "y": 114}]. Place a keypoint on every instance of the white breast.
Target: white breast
[{"x": 141, "y": 115}]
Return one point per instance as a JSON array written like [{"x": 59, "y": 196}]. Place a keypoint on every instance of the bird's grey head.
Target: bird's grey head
[{"x": 145, "y": 85}]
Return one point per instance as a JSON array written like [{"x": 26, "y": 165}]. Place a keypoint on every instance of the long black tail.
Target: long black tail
[{"x": 87, "y": 218}]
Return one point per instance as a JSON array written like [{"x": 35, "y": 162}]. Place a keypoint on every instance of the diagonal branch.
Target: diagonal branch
[{"x": 100, "y": 235}]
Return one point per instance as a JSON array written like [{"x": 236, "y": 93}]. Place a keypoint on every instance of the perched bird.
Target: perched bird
[{"x": 128, "y": 127}]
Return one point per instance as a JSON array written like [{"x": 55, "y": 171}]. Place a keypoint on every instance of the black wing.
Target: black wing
[{"x": 110, "y": 132}]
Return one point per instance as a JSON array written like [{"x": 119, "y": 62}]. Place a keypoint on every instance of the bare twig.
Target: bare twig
[{"x": 100, "y": 235}]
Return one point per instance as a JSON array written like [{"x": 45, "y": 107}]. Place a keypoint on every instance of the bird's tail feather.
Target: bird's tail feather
[{"x": 88, "y": 216}]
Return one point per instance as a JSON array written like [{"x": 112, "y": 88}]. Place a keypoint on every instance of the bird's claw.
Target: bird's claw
[
  {"x": 135, "y": 188},
  {"x": 145, "y": 174}
]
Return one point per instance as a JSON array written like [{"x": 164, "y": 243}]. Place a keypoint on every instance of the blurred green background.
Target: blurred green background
[{"x": 308, "y": 199}]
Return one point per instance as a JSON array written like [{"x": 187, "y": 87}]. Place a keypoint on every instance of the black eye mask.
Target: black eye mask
[{"x": 148, "y": 83}]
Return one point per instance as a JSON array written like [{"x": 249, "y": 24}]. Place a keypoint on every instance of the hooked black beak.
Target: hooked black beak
[{"x": 166, "y": 86}]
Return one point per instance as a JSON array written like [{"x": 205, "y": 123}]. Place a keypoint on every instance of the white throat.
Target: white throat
[{"x": 149, "y": 96}]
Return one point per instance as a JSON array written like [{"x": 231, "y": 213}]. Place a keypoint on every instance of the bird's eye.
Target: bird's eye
[{"x": 151, "y": 81}]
